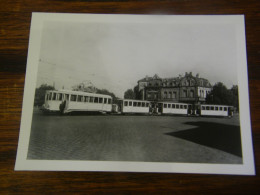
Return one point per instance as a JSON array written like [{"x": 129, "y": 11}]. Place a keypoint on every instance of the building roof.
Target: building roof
[{"x": 201, "y": 82}]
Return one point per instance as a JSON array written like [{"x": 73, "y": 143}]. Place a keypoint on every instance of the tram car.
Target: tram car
[
  {"x": 134, "y": 106},
  {"x": 174, "y": 108},
  {"x": 215, "y": 110},
  {"x": 66, "y": 101}
]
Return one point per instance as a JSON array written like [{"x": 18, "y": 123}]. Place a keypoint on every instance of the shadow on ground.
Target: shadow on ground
[{"x": 220, "y": 136}]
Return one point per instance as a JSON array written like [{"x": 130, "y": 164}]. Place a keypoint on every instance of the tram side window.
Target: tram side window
[
  {"x": 165, "y": 105},
  {"x": 86, "y": 99},
  {"x": 216, "y": 108},
  {"x": 169, "y": 105},
  {"x": 203, "y": 108},
  {"x": 220, "y": 108},
  {"x": 50, "y": 96},
  {"x": 100, "y": 100},
  {"x": 126, "y": 103},
  {"x": 181, "y": 106},
  {"x": 207, "y": 107},
  {"x": 67, "y": 97},
  {"x": 73, "y": 98},
  {"x": 54, "y": 96},
  {"x": 91, "y": 99},
  {"x": 109, "y": 101},
  {"x": 225, "y": 108},
  {"x": 130, "y": 103},
  {"x": 79, "y": 99},
  {"x": 96, "y": 100},
  {"x": 177, "y": 106},
  {"x": 143, "y": 104},
  {"x": 139, "y": 104},
  {"x": 185, "y": 106},
  {"x": 212, "y": 108},
  {"x": 147, "y": 104},
  {"x": 135, "y": 104},
  {"x": 105, "y": 100},
  {"x": 60, "y": 96}
]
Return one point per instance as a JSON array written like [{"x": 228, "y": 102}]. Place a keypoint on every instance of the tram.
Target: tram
[
  {"x": 174, "y": 108},
  {"x": 134, "y": 106},
  {"x": 66, "y": 101},
  {"x": 215, "y": 110}
]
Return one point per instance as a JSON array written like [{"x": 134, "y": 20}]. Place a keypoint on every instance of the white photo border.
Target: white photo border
[{"x": 22, "y": 163}]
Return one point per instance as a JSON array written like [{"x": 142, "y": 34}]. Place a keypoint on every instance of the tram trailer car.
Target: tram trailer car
[
  {"x": 135, "y": 106},
  {"x": 216, "y": 110},
  {"x": 174, "y": 108},
  {"x": 66, "y": 101}
]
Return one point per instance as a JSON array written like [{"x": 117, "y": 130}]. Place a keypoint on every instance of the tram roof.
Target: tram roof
[
  {"x": 215, "y": 105},
  {"x": 134, "y": 100},
  {"x": 79, "y": 93}
]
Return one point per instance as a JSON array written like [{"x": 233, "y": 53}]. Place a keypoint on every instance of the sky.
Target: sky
[{"x": 114, "y": 56}]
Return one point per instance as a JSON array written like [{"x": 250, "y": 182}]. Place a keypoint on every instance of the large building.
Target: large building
[{"x": 187, "y": 88}]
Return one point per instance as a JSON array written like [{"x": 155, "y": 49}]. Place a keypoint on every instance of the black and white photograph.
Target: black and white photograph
[{"x": 138, "y": 93}]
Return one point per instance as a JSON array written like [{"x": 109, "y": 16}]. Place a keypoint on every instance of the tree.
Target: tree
[
  {"x": 40, "y": 94},
  {"x": 234, "y": 92},
  {"x": 129, "y": 94},
  {"x": 138, "y": 95},
  {"x": 106, "y": 92},
  {"x": 221, "y": 95}
]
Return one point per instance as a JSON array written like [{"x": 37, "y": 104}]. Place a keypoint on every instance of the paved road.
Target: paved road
[{"x": 135, "y": 138}]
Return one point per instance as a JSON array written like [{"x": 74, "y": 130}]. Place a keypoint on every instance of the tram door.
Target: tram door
[
  {"x": 160, "y": 107},
  {"x": 189, "y": 109},
  {"x": 153, "y": 108}
]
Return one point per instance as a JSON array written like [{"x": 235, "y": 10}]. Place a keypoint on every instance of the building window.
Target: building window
[
  {"x": 165, "y": 95},
  {"x": 170, "y": 95},
  {"x": 191, "y": 93},
  {"x": 184, "y": 93},
  {"x": 174, "y": 95}
]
